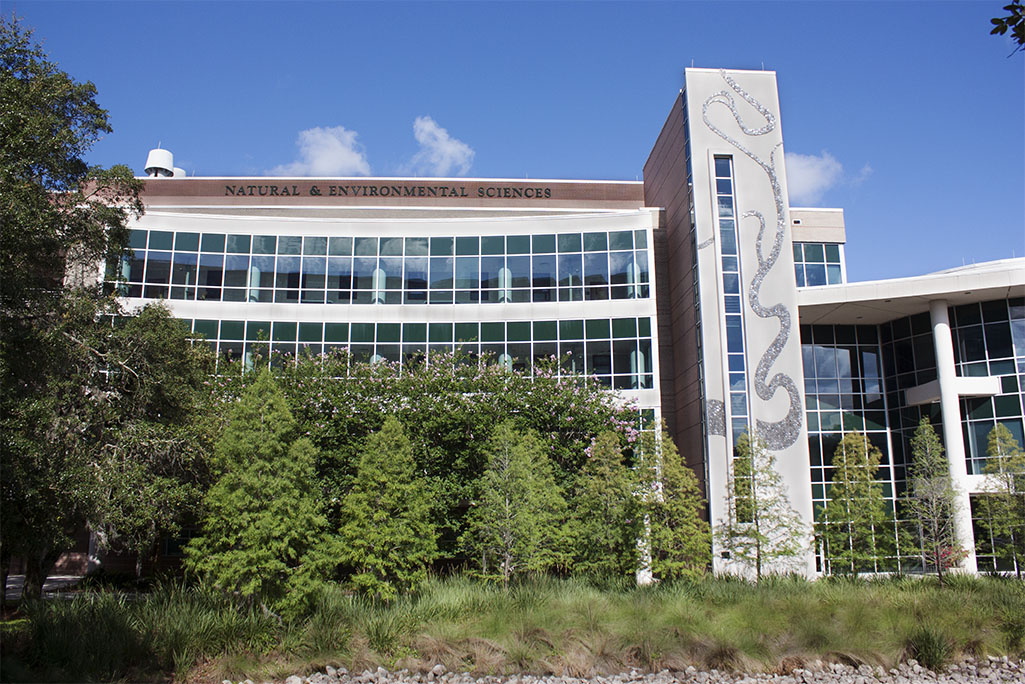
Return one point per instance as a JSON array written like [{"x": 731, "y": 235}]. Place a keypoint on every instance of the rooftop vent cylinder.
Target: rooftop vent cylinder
[
  {"x": 179, "y": 172},
  {"x": 160, "y": 163}
]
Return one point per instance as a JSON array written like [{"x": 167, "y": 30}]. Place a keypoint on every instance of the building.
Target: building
[{"x": 699, "y": 293}]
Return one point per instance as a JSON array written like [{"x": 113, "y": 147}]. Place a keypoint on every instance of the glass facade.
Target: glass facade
[
  {"x": 616, "y": 351},
  {"x": 989, "y": 340},
  {"x": 817, "y": 263},
  {"x": 591, "y": 266},
  {"x": 737, "y": 408},
  {"x": 844, "y": 392}
]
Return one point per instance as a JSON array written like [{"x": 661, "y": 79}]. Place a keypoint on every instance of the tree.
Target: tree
[
  {"x": 761, "y": 528},
  {"x": 517, "y": 525},
  {"x": 1002, "y": 508},
  {"x": 54, "y": 407},
  {"x": 606, "y": 519},
  {"x": 262, "y": 530},
  {"x": 679, "y": 540},
  {"x": 931, "y": 500},
  {"x": 387, "y": 540},
  {"x": 1014, "y": 22},
  {"x": 858, "y": 528},
  {"x": 449, "y": 410}
]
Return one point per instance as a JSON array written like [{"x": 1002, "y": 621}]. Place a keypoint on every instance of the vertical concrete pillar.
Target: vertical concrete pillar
[{"x": 950, "y": 411}]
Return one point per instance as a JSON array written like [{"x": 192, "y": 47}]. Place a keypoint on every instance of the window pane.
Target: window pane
[
  {"x": 392, "y": 272},
  {"x": 160, "y": 239},
  {"x": 543, "y": 244},
  {"x": 544, "y": 271},
  {"x": 597, "y": 328},
  {"x": 815, "y": 274},
  {"x": 441, "y": 246},
  {"x": 441, "y": 272},
  {"x": 340, "y": 246},
  {"x": 492, "y": 244},
  {"x": 184, "y": 271},
  {"x": 363, "y": 272},
  {"x": 519, "y": 267},
  {"x": 569, "y": 242},
  {"x": 517, "y": 244},
  {"x": 623, "y": 239},
  {"x": 186, "y": 242},
  {"x": 467, "y": 273},
  {"x": 813, "y": 252},
  {"x": 489, "y": 270},
  {"x": 365, "y": 246},
  {"x": 467, "y": 246},
  {"x": 236, "y": 270},
  {"x": 289, "y": 244},
  {"x": 391, "y": 246},
  {"x": 261, "y": 271},
  {"x": 416, "y": 273},
  {"x": 210, "y": 274},
  {"x": 596, "y": 242},
  {"x": 570, "y": 268},
  {"x": 264, "y": 244},
  {"x": 137, "y": 239},
  {"x": 315, "y": 246},
  {"x": 238, "y": 244}
]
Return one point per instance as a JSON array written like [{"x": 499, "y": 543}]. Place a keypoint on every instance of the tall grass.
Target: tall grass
[{"x": 568, "y": 627}]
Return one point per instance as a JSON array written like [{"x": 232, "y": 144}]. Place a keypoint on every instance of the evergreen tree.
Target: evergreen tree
[
  {"x": 606, "y": 518},
  {"x": 761, "y": 530},
  {"x": 387, "y": 539},
  {"x": 858, "y": 528},
  {"x": 930, "y": 501},
  {"x": 1002, "y": 508},
  {"x": 679, "y": 539},
  {"x": 262, "y": 528},
  {"x": 517, "y": 526}
]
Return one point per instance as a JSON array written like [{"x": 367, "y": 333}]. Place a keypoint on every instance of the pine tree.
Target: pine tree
[
  {"x": 858, "y": 528},
  {"x": 387, "y": 539},
  {"x": 606, "y": 519},
  {"x": 517, "y": 525},
  {"x": 762, "y": 530},
  {"x": 1002, "y": 508},
  {"x": 930, "y": 501},
  {"x": 262, "y": 528},
  {"x": 679, "y": 540}
]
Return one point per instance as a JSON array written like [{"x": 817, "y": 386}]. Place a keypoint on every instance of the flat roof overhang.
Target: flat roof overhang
[{"x": 878, "y": 301}]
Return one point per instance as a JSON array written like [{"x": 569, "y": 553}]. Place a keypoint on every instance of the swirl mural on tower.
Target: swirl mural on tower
[{"x": 783, "y": 433}]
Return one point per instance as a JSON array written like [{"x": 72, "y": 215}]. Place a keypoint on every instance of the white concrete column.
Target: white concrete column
[{"x": 953, "y": 440}]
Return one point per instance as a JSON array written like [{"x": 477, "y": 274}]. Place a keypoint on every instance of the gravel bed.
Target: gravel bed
[{"x": 990, "y": 670}]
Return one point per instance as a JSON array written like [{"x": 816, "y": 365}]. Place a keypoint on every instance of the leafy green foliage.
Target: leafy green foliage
[
  {"x": 262, "y": 528},
  {"x": 858, "y": 527},
  {"x": 386, "y": 539},
  {"x": 54, "y": 204},
  {"x": 606, "y": 517},
  {"x": 81, "y": 399},
  {"x": 517, "y": 524},
  {"x": 761, "y": 530},
  {"x": 679, "y": 539},
  {"x": 449, "y": 410},
  {"x": 929, "y": 504},
  {"x": 1013, "y": 21},
  {"x": 1002, "y": 508}
]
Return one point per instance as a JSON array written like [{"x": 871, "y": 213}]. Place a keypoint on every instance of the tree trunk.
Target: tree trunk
[
  {"x": 37, "y": 569},
  {"x": 5, "y": 571}
]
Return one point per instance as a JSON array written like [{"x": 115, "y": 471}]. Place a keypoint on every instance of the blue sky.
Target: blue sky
[{"x": 910, "y": 116}]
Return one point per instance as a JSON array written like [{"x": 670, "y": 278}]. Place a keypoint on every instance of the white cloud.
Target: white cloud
[
  {"x": 810, "y": 176},
  {"x": 439, "y": 154},
  {"x": 326, "y": 152}
]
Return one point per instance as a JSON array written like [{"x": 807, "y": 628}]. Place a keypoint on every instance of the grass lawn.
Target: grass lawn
[{"x": 566, "y": 627}]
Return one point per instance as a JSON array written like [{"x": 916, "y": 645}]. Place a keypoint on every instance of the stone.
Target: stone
[
  {"x": 438, "y": 669},
  {"x": 294, "y": 680}
]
